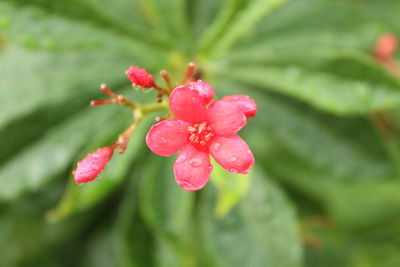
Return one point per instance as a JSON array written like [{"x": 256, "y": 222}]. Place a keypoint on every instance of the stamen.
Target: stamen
[
  {"x": 200, "y": 133},
  {"x": 208, "y": 136},
  {"x": 202, "y": 126},
  {"x": 192, "y": 137}
]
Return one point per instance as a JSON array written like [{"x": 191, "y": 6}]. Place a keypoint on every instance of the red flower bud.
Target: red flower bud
[
  {"x": 385, "y": 47},
  {"x": 92, "y": 165},
  {"x": 140, "y": 77}
]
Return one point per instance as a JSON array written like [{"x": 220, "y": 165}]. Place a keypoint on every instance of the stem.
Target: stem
[
  {"x": 189, "y": 72},
  {"x": 115, "y": 99},
  {"x": 160, "y": 89},
  {"x": 124, "y": 138},
  {"x": 149, "y": 108},
  {"x": 167, "y": 80}
]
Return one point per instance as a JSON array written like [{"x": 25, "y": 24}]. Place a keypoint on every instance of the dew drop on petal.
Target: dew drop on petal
[
  {"x": 181, "y": 158},
  {"x": 196, "y": 161},
  {"x": 233, "y": 170},
  {"x": 216, "y": 146},
  {"x": 233, "y": 159},
  {"x": 185, "y": 183}
]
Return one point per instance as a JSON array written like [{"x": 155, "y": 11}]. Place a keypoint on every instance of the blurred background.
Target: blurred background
[{"x": 325, "y": 188}]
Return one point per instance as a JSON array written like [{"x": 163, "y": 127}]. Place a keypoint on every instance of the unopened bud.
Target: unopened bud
[
  {"x": 139, "y": 76},
  {"x": 92, "y": 165},
  {"x": 385, "y": 47}
]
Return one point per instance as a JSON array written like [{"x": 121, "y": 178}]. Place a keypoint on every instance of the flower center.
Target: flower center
[{"x": 200, "y": 133}]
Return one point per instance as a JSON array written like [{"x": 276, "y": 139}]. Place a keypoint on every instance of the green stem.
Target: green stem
[{"x": 149, "y": 108}]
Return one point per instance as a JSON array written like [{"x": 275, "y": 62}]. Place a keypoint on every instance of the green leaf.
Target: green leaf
[
  {"x": 133, "y": 243},
  {"x": 326, "y": 91},
  {"x": 77, "y": 199},
  {"x": 48, "y": 60},
  {"x": 49, "y": 157},
  {"x": 259, "y": 231},
  {"x": 324, "y": 140},
  {"x": 231, "y": 188},
  {"x": 365, "y": 247},
  {"x": 243, "y": 23},
  {"x": 166, "y": 208},
  {"x": 316, "y": 155},
  {"x": 25, "y": 237}
]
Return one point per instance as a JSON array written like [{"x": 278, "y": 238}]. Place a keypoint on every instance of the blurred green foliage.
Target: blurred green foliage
[{"x": 325, "y": 188}]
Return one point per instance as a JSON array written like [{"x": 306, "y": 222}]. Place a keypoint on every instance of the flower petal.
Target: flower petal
[
  {"x": 187, "y": 105},
  {"x": 204, "y": 89},
  {"x": 192, "y": 168},
  {"x": 246, "y": 103},
  {"x": 167, "y": 137},
  {"x": 225, "y": 117},
  {"x": 232, "y": 153}
]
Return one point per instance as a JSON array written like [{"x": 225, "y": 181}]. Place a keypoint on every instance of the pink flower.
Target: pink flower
[
  {"x": 140, "y": 77},
  {"x": 385, "y": 47},
  {"x": 92, "y": 165},
  {"x": 199, "y": 131}
]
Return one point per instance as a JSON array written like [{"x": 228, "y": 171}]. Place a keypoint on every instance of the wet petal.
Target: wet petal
[
  {"x": 225, "y": 117},
  {"x": 246, "y": 103},
  {"x": 192, "y": 169},
  {"x": 204, "y": 89},
  {"x": 92, "y": 165},
  {"x": 232, "y": 153},
  {"x": 167, "y": 137},
  {"x": 187, "y": 105}
]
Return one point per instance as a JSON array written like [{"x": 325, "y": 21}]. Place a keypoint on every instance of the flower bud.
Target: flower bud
[
  {"x": 385, "y": 47},
  {"x": 92, "y": 165},
  {"x": 139, "y": 76}
]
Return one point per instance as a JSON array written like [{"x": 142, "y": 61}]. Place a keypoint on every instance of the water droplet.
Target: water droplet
[
  {"x": 181, "y": 158},
  {"x": 233, "y": 170},
  {"x": 246, "y": 171},
  {"x": 195, "y": 99},
  {"x": 196, "y": 161},
  {"x": 216, "y": 146},
  {"x": 184, "y": 183},
  {"x": 249, "y": 152},
  {"x": 233, "y": 159}
]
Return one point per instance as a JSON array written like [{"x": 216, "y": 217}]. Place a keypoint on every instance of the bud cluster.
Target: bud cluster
[{"x": 196, "y": 126}]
